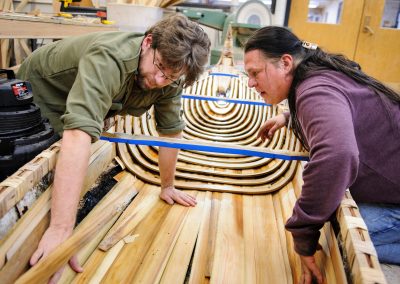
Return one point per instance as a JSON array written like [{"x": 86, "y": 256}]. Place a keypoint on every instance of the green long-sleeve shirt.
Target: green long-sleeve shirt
[{"x": 80, "y": 81}]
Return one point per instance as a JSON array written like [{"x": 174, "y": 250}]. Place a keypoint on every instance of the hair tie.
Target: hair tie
[{"x": 309, "y": 45}]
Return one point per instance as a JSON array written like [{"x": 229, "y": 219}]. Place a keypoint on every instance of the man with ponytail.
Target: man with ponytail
[{"x": 350, "y": 124}]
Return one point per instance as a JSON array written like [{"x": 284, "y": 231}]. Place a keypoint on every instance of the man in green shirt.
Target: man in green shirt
[{"x": 80, "y": 81}]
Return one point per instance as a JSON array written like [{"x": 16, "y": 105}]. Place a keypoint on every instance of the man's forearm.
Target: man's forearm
[
  {"x": 70, "y": 173},
  {"x": 167, "y": 159}
]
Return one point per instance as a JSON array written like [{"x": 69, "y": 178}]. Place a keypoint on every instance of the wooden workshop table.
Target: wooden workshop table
[
  {"x": 34, "y": 27},
  {"x": 20, "y": 27}
]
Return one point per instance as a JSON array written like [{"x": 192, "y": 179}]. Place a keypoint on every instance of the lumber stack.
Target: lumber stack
[{"x": 236, "y": 232}]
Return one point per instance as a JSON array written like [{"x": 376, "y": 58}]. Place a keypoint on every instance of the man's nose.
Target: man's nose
[
  {"x": 161, "y": 80},
  {"x": 251, "y": 83}
]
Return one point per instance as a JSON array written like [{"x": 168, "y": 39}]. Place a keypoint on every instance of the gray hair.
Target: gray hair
[{"x": 183, "y": 45}]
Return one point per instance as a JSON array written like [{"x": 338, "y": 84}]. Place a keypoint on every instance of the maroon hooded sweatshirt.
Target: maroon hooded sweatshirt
[{"x": 354, "y": 139}]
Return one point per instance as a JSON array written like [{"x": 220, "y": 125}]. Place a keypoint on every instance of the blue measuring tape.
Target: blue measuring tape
[
  {"x": 130, "y": 139},
  {"x": 224, "y": 99}
]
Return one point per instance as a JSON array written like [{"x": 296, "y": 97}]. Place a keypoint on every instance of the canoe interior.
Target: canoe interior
[{"x": 236, "y": 232}]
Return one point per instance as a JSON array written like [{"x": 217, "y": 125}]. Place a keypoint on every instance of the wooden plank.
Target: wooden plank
[
  {"x": 24, "y": 47},
  {"x": 37, "y": 30},
  {"x": 178, "y": 263},
  {"x": 17, "y": 185},
  {"x": 335, "y": 256},
  {"x": 1, "y": 54},
  {"x": 21, "y": 5},
  {"x": 116, "y": 200},
  {"x": 90, "y": 267},
  {"x": 123, "y": 271},
  {"x": 250, "y": 231},
  {"x": 5, "y": 45},
  {"x": 215, "y": 211},
  {"x": 287, "y": 200},
  {"x": 86, "y": 253},
  {"x": 131, "y": 217},
  {"x": 228, "y": 265},
  {"x": 282, "y": 236},
  {"x": 154, "y": 262},
  {"x": 199, "y": 264},
  {"x": 22, "y": 241},
  {"x": 269, "y": 260},
  {"x": 18, "y": 56},
  {"x": 23, "y": 230},
  {"x": 106, "y": 263}
]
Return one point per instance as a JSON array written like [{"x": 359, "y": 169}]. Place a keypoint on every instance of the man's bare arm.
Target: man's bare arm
[
  {"x": 70, "y": 173},
  {"x": 167, "y": 159}
]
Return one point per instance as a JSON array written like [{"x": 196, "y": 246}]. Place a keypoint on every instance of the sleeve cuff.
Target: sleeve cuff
[
  {"x": 172, "y": 129},
  {"x": 306, "y": 245},
  {"x": 76, "y": 121}
]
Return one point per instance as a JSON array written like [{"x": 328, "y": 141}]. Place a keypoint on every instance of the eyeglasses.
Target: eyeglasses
[{"x": 174, "y": 82}]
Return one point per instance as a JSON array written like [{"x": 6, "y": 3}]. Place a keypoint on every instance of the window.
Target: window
[{"x": 325, "y": 11}]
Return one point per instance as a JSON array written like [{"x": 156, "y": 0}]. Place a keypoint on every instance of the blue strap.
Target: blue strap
[
  {"x": 155, "y": 141},
  {"x": 223, "y": 74},
  {"x": 224, "y": 99}
]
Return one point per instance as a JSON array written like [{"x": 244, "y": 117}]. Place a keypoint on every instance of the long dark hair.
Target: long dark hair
[{"x": 273, "y": 42}]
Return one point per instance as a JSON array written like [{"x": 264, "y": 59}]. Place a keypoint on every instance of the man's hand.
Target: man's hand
[
  {"x": 171, "y": 195},
  {"x": 51, "y": 239},
  {"x": 268, "y": 129},
  {"x": 310, "y": 270}
]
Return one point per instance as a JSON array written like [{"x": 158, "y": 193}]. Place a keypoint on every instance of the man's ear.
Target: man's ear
[
  {"x": 147, "y": 41},
  {"x": 287, "y": 62}
]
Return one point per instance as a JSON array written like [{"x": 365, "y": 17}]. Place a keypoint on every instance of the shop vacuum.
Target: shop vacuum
[{"x": 23, "y": 131}]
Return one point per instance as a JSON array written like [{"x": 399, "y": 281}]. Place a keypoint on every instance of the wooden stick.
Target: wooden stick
[
  {"x": 282, "y": 239},
  {"x": 25, "y": 47},
  {"x": 154, "y": 262},
  {"x": 5, "y": 45},
  {"x": 117, "y": 200},
  {"x": 21, "y": 5},
  {"x": 136, "y": 251},
  {"x": 21, "y": 232},
  {"x": 19, "y": 245},
  {"x": 86, "y": 253},
  {"x": 17, "y": 51},
  {"x": 199, "y": 264},
  {"x": 176, "y": 268},
  {"x": 228, "y": 264},
  {"x": 132, "y": 216},
  {"x": 250, "y": 241},
  {"x": 106, "y": 263},
  {"x": 214, "y": 217}
]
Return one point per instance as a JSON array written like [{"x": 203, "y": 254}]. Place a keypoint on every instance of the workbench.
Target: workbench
[{"x": 14, "y": 25}]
